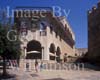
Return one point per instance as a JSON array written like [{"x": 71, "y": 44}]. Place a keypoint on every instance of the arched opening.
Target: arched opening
[
  {"x": 52, "y": 51},
  {"x": 58, "y": 53},
  {"x": 34, "y": 50},
  {"x": 52, "y": 48},
  {"x": 65, "y": 57}
]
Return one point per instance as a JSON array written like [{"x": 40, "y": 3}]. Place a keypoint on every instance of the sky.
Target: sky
[{"x": 77, "y": 17}]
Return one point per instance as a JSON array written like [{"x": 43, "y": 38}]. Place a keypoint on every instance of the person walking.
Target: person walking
[
  {"x": 27, "y": 66},
  {"x": 41, "y": 65},
  {"x": 36, "y": 65}
]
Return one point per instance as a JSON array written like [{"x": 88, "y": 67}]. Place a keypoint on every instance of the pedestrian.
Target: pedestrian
[
  {"x": 41, "y": 65},
  {"x": 16, "y": 65},
  {"x": 27, "y": 66},
  {"x": 36, "y": 65}
]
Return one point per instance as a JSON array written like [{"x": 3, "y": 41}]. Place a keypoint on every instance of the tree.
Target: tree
[{"x": 8, "y": 49}]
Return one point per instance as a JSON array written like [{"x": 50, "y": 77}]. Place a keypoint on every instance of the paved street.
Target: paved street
[
  {"x": 88, "y": 73},
  {"x": 57, "y": 75}
]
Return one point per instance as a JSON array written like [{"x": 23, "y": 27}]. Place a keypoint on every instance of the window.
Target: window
[
  {"x": 52, "y": 48},
  {"x": 23, "y": 28},
  {"x": 34, "y": 23},
  {"x": 43, "y": 33},
  {"x": 43, "y": 26}
]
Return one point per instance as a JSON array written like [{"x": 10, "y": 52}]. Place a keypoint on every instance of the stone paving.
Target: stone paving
[
  {"x": 88, "y": 73},
  {"x": 56, "y": 75}
]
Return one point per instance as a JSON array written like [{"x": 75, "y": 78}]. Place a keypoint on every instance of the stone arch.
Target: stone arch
[
  {"x": 52, "y": 50},
  {"x": 34, "y": 50},
  {"x": 58, "y": 53}
]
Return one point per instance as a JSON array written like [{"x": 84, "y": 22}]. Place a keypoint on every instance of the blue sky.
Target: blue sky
[{"x": 77, "y": 17}]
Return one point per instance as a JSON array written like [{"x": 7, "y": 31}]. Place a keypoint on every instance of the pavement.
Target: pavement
[
  {"x": 55, "y": 75},
  {"x": 88, "y": 73}
]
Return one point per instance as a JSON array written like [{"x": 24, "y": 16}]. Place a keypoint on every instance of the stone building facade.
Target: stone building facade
[
  {"x": 46, "y": 38},
  {"x": 80, "y": 52},
  {"x": 94, "y": 33}
]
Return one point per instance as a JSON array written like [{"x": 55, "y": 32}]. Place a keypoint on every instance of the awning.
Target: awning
[
  {"x": 51, "y": 54},
  {"x": 33, "y": 52}
]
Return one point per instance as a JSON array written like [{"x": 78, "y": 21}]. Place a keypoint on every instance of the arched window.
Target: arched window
[
  {"x": 43, "y": 26},
  {"x": 52, "y": 48},
  {"x": 23, "y": 28},
  {"x": 58, "y": 52},
  {"x": 34, "y": 23}
]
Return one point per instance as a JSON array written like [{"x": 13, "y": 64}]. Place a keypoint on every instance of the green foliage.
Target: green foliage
[{"x": 8, "y": 48}]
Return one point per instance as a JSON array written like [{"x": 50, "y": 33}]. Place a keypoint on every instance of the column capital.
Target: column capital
[
  {"x": 24, "y": 47},
  {"x": 42, "y": 47}
]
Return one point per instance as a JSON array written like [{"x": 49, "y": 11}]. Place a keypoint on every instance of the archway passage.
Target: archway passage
[
  {"x": 34, "y": 50},
  {"x": 52, "y": 50},
  {"x": 58, "y": 53}
]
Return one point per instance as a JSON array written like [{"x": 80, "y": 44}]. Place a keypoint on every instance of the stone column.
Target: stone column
[
  {"x": 42, "y": 53},
  {"x": 25, "y": 52},
  {"x": 55, "y": 56}
]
